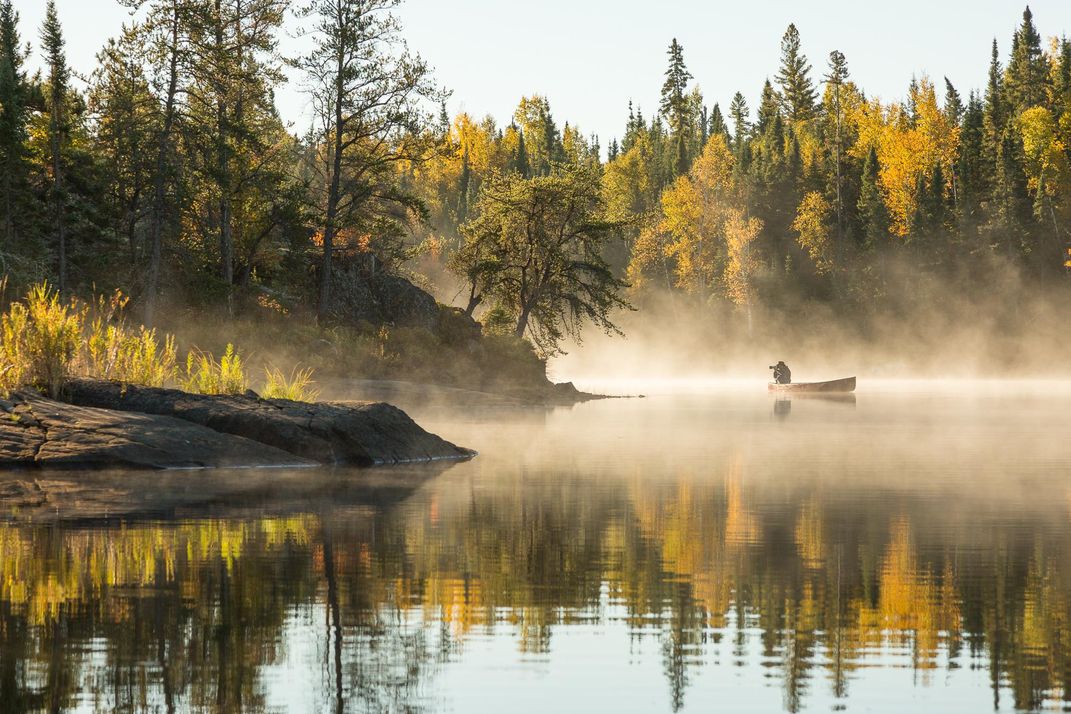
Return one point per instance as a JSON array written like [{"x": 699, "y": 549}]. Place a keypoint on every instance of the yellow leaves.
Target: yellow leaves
[
  {"x": 713, "y": 170},
  {"x": 474, "y": 141},
  {"x": 687, "y": 220},
  {"x": 703, "y": 228},
  {"x": 906, "y": 149},
  {"x": 681, "y": 214},
  {"x": 626, "y": 181},
  {"x": 695, "y": 211},
  {"x": 743, "y": 263},
  {"x": 647, "y": 252},
  {"x": 812, "y": 224},
  {"x": 810, "y": 535},
  {"x": 1044, "y": 148}
]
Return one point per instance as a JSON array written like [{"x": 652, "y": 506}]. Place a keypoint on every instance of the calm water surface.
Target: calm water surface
[{"x": 906, "y": 550}]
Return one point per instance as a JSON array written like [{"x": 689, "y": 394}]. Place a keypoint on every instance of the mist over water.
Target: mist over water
[{"x": 906, "y": 548}]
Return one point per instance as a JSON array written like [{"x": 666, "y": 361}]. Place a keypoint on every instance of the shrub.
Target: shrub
[
  {"x": 297, "y": 387},
  {"x": 51, "y": 337},
  {"x": 14, "y": 362},
  {"x": 114, "y": 351},
  {"x": 205, "y": 376}
]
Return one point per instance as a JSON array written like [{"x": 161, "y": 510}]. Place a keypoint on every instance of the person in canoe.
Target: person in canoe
[{"x": 781, "y": 373}]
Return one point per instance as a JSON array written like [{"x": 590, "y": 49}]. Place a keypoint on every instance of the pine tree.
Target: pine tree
[
  {"x": 520, "y": 159},
  {"x": 674, "y": 105},
  {"x": 717, "y": 123},
  {"x": 52, "y": 43},
  {"x": 912, "y": 106},
  {"x": 739, "y": 113},
  {"x": 797, "y": 89},
  {"x": 166, "y": 25},
  {"x": 1062, "y": 90},
  {"x": 341, "y": 68},
  {"x": 1027, "y": 77},
  {"x": 873, "y": 215},
  {"x": 994, "y": 122},
  {"x": 953, "y": 104},
  {"x": 953, "y": 109},
  {"x": 769, "y": 108},
  {"x": 838, "y": 75},
  {"x": 970, "y": 169},
  {"x": 463, "y": 189},
  {"x": 1014, "y": 210},
  {"x": 13, "y": 131}
]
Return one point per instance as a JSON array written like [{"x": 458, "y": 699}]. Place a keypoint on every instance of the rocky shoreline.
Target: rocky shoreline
[{"x": 104, "y": 425}]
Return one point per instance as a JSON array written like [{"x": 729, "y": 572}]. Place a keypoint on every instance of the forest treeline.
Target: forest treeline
[{"x": 169, "y": 173}]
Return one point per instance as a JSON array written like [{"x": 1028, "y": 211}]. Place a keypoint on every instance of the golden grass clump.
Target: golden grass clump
[
  {"x": 42, "y": 337},
  {"x": 205, "y": 376},
  {"x": 45, "y": 340},
  {"x": 116, "y": 351},
  {"x": 297, "y": 387}
]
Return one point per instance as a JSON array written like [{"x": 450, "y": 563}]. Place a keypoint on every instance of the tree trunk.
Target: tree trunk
[
  {"x": 335, "y": 613},
  {"x": 156, "y": 226},
  {"x": 474, "y": 301},
  {"x": 226, "y": 239},
  {"x": 9, "y": 222},
  {"x": 333, "y": 194},
  {"x": 58, "y": 205},
  {"x": 522, "y": 321}
]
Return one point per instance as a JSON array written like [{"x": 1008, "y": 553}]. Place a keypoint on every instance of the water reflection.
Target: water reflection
[{"x": 804, "y": 585}]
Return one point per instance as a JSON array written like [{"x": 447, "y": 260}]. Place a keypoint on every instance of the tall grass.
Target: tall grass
[
  {"x": 297, "y": 387},
  {"x": 206, "y": 376},
  {"x": 41, "y": 338},
  {"x": 45, "y": 340},
  {"x": 114, "y": 350}
]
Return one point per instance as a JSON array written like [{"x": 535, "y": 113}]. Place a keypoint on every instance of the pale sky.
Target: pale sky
[{"x": 590, "y": 57}]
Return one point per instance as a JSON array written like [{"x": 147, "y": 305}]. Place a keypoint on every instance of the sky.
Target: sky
[{"x": 590, "y": 57}]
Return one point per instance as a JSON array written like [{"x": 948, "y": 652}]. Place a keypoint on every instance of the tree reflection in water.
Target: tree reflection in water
[{"x": 815, "y": 584}]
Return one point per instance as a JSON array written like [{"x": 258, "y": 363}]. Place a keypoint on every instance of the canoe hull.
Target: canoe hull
[{"x": 837, "y": 385}]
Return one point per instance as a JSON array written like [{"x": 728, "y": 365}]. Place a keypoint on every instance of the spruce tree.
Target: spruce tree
[
  {"x": 1062, "y": 90},
  {"x": 717, "y": 125},
  {"x": 797, "y": 89},
  {"x": 953, "y": 104},
  {"x": 994, "y": 121},
  {"x": 520, "y": 159},
  {"x": 675, "y": 106},
  {"x": 739, "y": 113},
  {"x": 463, "y": 189},
  {"x": 13, "y": 131},
  {"x": 940, "y": 215},
  {"x": 769, "y": 108},
  {"x": 52, "y": 44},
  {"x": 912, "y": 104},
  {"x": 970, "y": 169},
  {"x": 953, "y": 110},
  {"x": 838, "y": 75},
  {"x": 873, "y": 215},
  {"x": 1027, "y": 76}
]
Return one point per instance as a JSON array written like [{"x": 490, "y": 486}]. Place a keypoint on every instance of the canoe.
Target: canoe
[{"x": 836, "y": 385}]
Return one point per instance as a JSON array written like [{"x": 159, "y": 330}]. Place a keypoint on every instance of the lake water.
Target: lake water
[{"x": 708, "y": 548}]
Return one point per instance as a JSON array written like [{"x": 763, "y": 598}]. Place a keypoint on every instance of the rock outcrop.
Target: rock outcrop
[
  {"x": 361, "y": 295},
  {"x": 362, "y": 434},
  {"x": 39, "y": 432}
]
